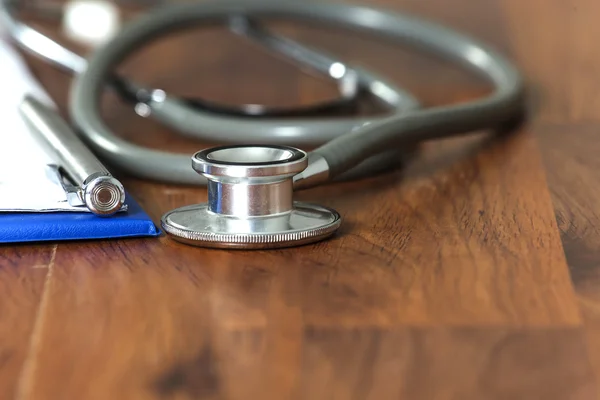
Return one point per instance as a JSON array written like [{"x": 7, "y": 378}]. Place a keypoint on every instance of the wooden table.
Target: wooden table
[{"x": 473, "y": 273}]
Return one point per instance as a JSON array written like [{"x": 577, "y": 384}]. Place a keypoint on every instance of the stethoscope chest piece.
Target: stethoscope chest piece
[{"x": 250, "y": 202}]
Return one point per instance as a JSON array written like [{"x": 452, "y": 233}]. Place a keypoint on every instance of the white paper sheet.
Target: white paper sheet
[{"x": 26, "y": 182}]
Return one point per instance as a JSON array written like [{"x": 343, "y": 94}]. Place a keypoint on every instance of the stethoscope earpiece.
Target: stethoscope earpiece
[{"x": 250, "y": 201}]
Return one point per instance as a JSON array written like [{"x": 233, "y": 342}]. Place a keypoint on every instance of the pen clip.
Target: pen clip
[{"x": 72, "y": 191}]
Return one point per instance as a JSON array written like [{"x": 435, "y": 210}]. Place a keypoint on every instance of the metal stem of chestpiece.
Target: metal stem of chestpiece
[{"x": 250, "y": 201}]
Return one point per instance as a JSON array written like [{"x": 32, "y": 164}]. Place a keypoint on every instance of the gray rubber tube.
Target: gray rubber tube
[
  {"x": 205, "y": 125},
  {"x": 175, "y": 112},
  {"x": 342, "y": 153}
]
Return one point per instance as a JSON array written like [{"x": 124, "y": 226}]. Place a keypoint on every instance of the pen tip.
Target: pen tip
[{"x": 104, "y": 195}]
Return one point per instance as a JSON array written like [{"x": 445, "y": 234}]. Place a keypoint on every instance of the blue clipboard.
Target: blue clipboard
[{"x": 63, "y": 226}]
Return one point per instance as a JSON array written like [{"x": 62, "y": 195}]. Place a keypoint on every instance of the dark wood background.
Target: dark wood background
[{"x": 472, "y": 274}]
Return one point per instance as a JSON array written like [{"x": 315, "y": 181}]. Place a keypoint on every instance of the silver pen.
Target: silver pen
[{"x": 92, "y": 184}]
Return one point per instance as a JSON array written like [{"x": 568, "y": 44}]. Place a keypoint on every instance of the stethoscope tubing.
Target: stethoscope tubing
[{"x": 349, "y": 141}]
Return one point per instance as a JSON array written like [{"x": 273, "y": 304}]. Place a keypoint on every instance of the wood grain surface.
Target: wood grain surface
[{"x": 472, "y": 273}]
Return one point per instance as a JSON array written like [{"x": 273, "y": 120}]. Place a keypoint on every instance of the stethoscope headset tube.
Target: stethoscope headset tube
[{"x": 368, "y": 138}]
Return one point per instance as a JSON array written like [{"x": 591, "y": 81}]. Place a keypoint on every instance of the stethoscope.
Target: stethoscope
[{"x": 250, "y": 186}]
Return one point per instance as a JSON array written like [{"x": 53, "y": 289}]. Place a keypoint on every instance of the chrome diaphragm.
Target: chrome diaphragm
[{"x": 250, "y": 201}]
